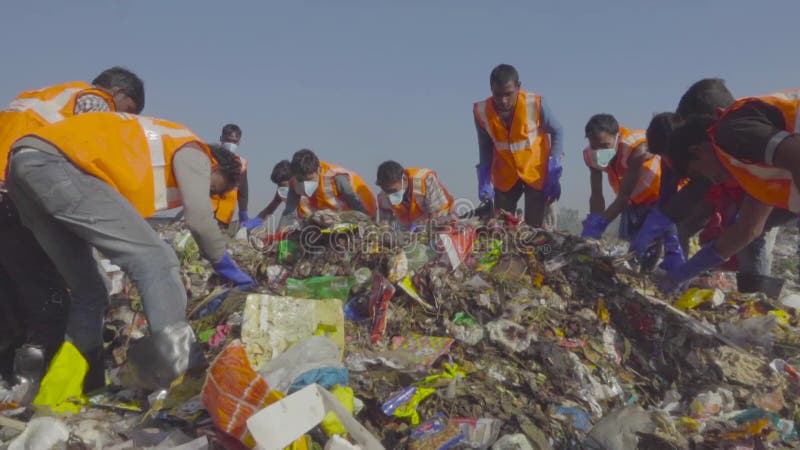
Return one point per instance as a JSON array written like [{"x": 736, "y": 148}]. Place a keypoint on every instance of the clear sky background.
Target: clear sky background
[{"x": 364, "y": 81}]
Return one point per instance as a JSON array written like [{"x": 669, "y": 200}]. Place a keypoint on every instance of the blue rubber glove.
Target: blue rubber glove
[
  {"x": 243, "y": 217},
  {"x": 485, "y": 188},
  {"x": 594, "y": 225},
  {"x": 228, "y": 269},
  {"x": 255, "y": 222},
  {"x": 656, "y": 225},
  {"x": 552, "y": 187},
  {"x": 703, "y": 260},
  {"x": 673, "y": 252}
]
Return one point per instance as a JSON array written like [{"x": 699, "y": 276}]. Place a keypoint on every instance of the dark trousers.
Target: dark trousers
[
  {"x": 535, "y": 202},
  {"x": 34, "y": 296}
]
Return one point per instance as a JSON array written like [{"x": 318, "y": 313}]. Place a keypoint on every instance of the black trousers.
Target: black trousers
[
  {"x": 535, "y": 202},
  {"x": 34, "y": 299}
]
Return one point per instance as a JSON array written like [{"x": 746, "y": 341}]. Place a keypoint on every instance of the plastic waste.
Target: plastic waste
[
  {"x": 513, "y": 442},
  {"x": 308, "y": 354},
  {"x": 436, "y": 433},
  {"x": 753, "y": 332},
  {"x": 42, "y": 433},
  {"x": 712, "y": 403},
  {"x": 579, "y": 418},
  {"x": 427, "y": 349},
  {"x": 478, "y": 433},
  {"x": 382, "y": 293},
  {"x": 417, "y": 255},
  {"x": 320, "y": 287},
  {"x": 278, "y": 425},
  {"x": 326, "y": 377},
  {"x": 510, "y": 335},
  {"x": 330, "y": 424},
  {"x": 465, "y": 329},
  {"x": 288, "y": 251},
  {"x": 695, "y": 297},
  {"x": 619, "y": 429},
  {"x": 398, "y": 267},
  {"x": 404, "y": 403}
]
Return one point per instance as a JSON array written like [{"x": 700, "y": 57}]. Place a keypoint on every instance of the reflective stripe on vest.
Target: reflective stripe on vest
[
  {"x": 328, "y": 182},
  {"x": 49, "y": 110},
  {"x": 501, "y": 142},
  {"x": 164, "y": 196}
]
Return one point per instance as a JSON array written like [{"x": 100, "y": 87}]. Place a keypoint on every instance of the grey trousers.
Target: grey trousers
[{"x": 69, "y": 212}]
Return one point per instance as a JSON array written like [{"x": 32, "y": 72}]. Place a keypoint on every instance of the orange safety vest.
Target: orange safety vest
[
  {"x": 327, "y": 195},
  {"x": 417, "y": 207},
  {"x": 33, "y": 109},
  {"x": 769, "y": 184},
  {"x": 523, "y": 151},
  {"x": 649, "y": 183},
  {"x": 224, "y": 205},
  {"x": 133, "y": 154}
]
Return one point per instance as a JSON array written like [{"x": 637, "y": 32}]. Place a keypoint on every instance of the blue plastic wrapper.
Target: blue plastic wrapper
[
  {"x": 398, "y": 400},
  {"x": 326, "y": 377},
  {"x": 580, "y": 419},
  {"x": 436, "y": 433}
]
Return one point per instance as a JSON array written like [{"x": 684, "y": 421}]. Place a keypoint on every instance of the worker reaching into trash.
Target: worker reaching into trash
[
  {"x": 633, "y": 173},
  {"x": 520, "y": 144},
  {"x": 34, "y": 296},
  {"x": 225, "y": 204},
  {"x": 410, "y": 197},
  {"x": 754, "y": 143},
  {"x": 320, "y": 185},
  {"x": 702, "y": 206},
  {"x": 281, "y": 174},
  {"x": 90, "y": 181}
]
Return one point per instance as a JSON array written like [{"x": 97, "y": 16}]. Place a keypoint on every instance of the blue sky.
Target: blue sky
[{"x": 364, "y": 81}]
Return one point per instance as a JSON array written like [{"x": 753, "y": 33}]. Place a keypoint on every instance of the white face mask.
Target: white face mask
[
  {"x": 600, "y": 158},
  {"x": 230, "y": 146},
  {"x": 395, "y": 198},
  {"x": 283, "y": 192},
  {"x": 310, "y": 187}
]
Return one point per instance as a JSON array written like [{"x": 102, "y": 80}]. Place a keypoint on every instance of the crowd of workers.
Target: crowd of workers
[{"x": 81, "y": 170}]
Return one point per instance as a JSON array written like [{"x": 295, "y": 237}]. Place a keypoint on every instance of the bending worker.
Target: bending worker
[
  {"x": 520, "y": 144},
  {"x": 633, "y": 173},
  {"x": 410, "y": 197},
  {"x": 225, "y": 204},
  {"x": 322, "y": 185},
  {"x": 33, "y": 295},
  {"x": 75, "y": 193},
  {"x": 754, "y": 143},
  {"x": 281, "y": 174}
]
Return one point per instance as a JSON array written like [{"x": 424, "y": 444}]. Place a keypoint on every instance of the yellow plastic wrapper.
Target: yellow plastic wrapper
[
  {"x": 782, "y": 316},
  {"x": 331, "y": 424},
  {"x": 409, "y": 410},
  {"x": 602, "y": 311},
  {"x": 62, "y": 386},
  {"x": 693, "y": 298}
]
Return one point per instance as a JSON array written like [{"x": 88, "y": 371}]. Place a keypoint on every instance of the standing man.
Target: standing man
[
  {"x": 224, "y": 205},
  {"x": 520, "y": 146},
  {"x": 75, "y": 194},
  {"x": 34, "y": 296},
  {"x": 410, "y": 197},
  {"x": 324, "y": 186},
  {"x": 633, "y": 173},
  {"x": 754, "y": 144}
]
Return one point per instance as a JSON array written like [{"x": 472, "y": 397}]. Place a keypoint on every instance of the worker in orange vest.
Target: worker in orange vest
[
  {"x": 225, "y": 205},
  {"x": 410, "y": 197},
  {"x": 75, "y": 194},
  {"x": 633, "y": 173},
  {"x": 520, "y": 146},
  {"x": 754, "y": 143},
  {"x": 324, "y": 186},
  {"x": 34, "y": 296}
]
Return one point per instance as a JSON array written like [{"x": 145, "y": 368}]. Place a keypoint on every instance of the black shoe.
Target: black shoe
[{"x": 96, "y": 376}]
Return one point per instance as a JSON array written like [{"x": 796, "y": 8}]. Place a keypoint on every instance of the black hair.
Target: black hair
[
  {"x": 389, "y": 172},
  {"x": 227, "y": 162},
  {"x": 704, "y": 98},
  {"x": 661, "y": 126},
  {"x": 503, "y": 74},
  {"x": 126, "y": 81},
  {"x": 690, "y": 133},
  {"x": 601, "y": 123},
  {"x": 281, "y": 172},
  {"x": 232, "y": 128},
  {"x": 304, "y": 162}
]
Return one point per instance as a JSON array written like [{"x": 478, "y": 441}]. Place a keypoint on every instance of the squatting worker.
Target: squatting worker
[
  {"x": 33, "y": 295},
  {"x": 90, "y": 181}
]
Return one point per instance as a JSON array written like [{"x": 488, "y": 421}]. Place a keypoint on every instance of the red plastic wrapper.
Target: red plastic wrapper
[{"x": 382, "y": 292}]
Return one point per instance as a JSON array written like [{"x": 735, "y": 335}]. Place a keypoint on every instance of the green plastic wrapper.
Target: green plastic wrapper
[
  {"x": 287, "y": 251},
  {"x": 320, "y": 287}
]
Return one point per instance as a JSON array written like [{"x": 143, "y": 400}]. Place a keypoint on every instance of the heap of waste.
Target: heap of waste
[{"x": 471, "y": 335}]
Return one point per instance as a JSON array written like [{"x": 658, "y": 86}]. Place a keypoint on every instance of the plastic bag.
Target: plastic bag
[
  {"x": 314, "y": 352},
  {"x": 62, "y": 386},
  {"x": 331, "y": 424},
  {"x": 382, "y": 293}
]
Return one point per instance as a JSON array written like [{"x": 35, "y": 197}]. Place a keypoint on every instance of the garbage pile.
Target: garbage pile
[{"x": 463, "y": 335}]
